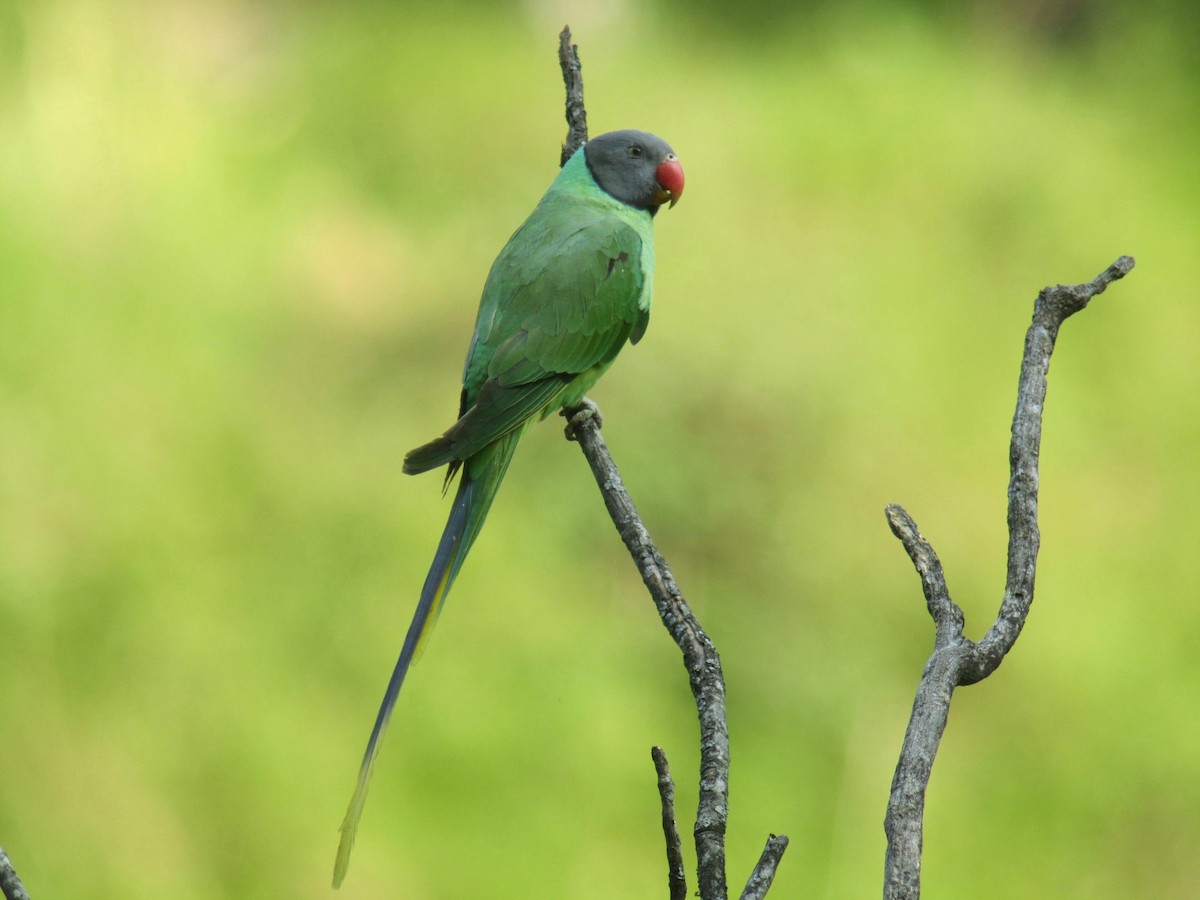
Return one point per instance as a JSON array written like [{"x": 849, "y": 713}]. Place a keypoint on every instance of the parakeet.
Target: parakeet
[{"x": 570, "y": 287}]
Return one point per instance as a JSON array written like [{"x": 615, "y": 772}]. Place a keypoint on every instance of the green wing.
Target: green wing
[{"x": 562, "y": 298}]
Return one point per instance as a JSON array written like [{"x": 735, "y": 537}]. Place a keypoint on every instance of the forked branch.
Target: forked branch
[{"x": 956, "y": 660}]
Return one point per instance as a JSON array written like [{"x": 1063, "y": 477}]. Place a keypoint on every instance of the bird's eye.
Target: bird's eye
[{"x": 635, "y": 151}]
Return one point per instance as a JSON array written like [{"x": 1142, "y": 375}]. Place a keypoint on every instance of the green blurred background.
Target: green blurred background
[{"x": 241, "y": 246}]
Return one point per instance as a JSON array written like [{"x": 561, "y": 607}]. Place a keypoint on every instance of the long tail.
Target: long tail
[{"x": 481, "y": 479}]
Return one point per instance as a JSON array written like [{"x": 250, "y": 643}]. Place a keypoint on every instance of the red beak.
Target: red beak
[{"x": 670, "y": 180}]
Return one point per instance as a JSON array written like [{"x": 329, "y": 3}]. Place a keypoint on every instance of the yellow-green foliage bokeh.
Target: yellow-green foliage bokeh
[{"x": 240, "y": 250}]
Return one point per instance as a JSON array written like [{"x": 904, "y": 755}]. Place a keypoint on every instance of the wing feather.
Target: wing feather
[{"x": 561, "y": 300}]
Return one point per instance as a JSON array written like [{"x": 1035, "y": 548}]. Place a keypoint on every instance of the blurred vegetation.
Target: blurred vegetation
[{"x": 240, "y": 250}]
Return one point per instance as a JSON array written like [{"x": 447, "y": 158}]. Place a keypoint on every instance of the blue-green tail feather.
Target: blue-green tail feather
[{"x": 481, "y": 479}]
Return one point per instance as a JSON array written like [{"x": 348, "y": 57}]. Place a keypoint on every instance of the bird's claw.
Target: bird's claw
[{"x": 578, "y": 414}]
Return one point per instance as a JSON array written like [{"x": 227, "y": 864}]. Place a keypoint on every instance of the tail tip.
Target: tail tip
[{"x": 342, "y": 863}]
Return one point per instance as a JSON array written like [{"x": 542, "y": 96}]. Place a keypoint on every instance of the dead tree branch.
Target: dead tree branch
[
  {"x": 956, "y": 660},
  {"x": 764, "y": 872},
  {"x": 676, "y": 878},
  {"x": 699, "y": 654},
  {"x": 10, "y": 882},
  {"x": 572, "y": 72}
]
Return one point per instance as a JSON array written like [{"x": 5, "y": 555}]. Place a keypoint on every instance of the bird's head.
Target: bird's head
[{"x": 636, "y": 167}]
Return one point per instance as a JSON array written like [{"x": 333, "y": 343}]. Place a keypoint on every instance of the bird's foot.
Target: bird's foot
[{"x": 578, "y": 414}]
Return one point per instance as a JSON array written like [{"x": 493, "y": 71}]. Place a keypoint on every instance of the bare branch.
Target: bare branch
[
  {"x": 764, "y": 872},
  {"x": 906, "y": 805},
  {"x": 947, "y": 617},
  {"x": 1053, "y": 306},
  {"x": 957, "y": 661},
  {"x": 10, "y": 882},
  {"x": 572, "y": 71},
  {"x": 676, "y": 878},
  {"x": 699, "y": 655}
]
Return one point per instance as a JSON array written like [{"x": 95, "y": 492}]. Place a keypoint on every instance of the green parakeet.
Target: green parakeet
[{"x": 570, "y": 287}]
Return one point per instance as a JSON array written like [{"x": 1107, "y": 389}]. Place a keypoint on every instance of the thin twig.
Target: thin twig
[
  {"x": 676, "y": 878},
  {"x": 957, "y": 661},
  {"x": 572, "y": 71},
  {"x": 764, "y": 872},
  {"x": 946, "y": 615},
  {"x": 10, "y": 882},
  {"x": 699, "y": 655}
]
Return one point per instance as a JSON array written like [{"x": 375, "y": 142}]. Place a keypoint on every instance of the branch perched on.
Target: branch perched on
[
  {"x": 699, "y": 655},
  {"x": 956, "y": 660}
]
